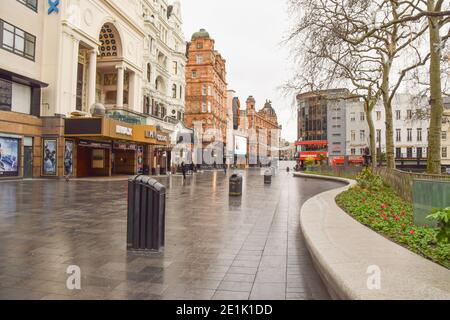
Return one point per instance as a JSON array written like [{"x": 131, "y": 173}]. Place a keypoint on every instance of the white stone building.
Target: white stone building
[
  {"x": 60, "y": 60},
  {"x": 410, "y": 130}
]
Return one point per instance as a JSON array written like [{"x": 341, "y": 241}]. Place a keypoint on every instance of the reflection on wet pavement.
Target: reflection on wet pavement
[{"x": 216, "y": 247}]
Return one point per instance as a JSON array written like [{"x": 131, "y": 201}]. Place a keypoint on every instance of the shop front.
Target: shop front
[
  {"x": 156, "y": 160},
  {"x": 106, "y": 147}
]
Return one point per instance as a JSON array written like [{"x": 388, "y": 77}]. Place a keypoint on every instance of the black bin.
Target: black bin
[
  {"x": 268, "y": 177},
  {"x": 235, "y": 185},
  {"x": 146, "y": 214}
]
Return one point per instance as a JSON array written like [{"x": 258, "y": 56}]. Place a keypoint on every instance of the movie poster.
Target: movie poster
[
  {"x": 140, "y": 160},
  {"x": 9, "y": 157},
  {"x": 68, "y": 158},
  {"x": 49, "y": 157}
]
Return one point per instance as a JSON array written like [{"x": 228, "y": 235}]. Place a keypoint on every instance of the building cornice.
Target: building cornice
[{"x": 125, "y": 17}]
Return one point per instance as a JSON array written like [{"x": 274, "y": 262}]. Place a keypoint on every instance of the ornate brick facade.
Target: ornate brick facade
[
  {"x": 206, "y": 86},
  {"x": 264, "y": 120}
]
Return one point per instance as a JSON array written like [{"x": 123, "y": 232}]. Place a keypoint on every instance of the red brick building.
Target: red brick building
[
  {"x": 206, "y": 86},
  {"x": 264, "y": 120}
]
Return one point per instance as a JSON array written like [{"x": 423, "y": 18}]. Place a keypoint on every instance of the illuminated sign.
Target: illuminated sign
[
  {"x": 53, "y": 6},
  {"x": 161, "y": 138},
  {"x": 150, "y": 134},
  {"x": 124, "y": 130}
]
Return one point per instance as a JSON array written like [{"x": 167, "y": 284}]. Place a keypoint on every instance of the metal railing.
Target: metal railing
[{"x": 402, "y": 182}]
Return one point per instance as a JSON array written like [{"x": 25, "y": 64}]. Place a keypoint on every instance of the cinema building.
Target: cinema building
[{"x": 93, "y": 87}]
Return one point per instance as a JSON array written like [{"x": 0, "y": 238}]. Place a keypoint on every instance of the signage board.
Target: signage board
[{"x": 124, "y": 130}]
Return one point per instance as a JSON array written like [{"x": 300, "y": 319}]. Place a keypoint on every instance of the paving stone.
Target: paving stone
[{"x": 216, "y": 247}]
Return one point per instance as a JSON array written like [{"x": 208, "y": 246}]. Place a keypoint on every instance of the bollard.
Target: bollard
[
  {"x": 268, "y": 177},
  {"x": 235, "y": 185},
  {"x": 146, "y": 214}
]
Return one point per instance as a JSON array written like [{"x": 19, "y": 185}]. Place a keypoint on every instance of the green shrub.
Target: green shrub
[
  {"x": 368, "y": 180},
  {"x": 309, "y": 162},
  {"x": 442, "y": 217},
  {"x": 387, "y": 213}
]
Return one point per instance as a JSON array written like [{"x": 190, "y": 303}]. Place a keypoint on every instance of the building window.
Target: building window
[
  {"x": 174, "y": 91},
  {"x": 352, "y": 116},
  {"x": 353, "y": 151},
  {"x": 353, "y": 135},
  {"x": 398, "y": 135},
  {"x": 199, "y": 45},
  {"x": 203, "y": 106},
  {"x": 209, "y": 90},
  {"x": 175, "y": 67},
  {"x": 444, "y": 135},
  {"x": 209, "y": 107},
  {"x": 409, "y": 153},
  {"x": 362, "y": 135},
  {"x": 17, "y": 41},
  {"x": 398, "y": 114},
  {"x": 408, "y": 114},
  {"x": 378, "y": 115},
  {"x": 444, "y": 152},
  {"x": 5, "y": 95},
  {"x": 146, "y": 104},
  {"x": 194, "y": 74},
  {"x": 398, "y": 153},
  {"x": 362, "y": 116},
  {"x": 32, "y": 4},
  {"x": 199, "y": 59},
  {"x": 419, "y": 134},
  {"x": 204, "y": 90},
  {"x": 361, "y": 151},
  {"x": 409, "y": 135},
  {"x": 419, "y": 154},
  {"x": 149, "y": 72},
  {"x": 15, "y": 97},
  {"x": 181, "y": 92},
  {"x": 378, "y": 135}
]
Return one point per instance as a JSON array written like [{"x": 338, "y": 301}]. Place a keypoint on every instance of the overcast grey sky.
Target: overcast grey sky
[{"x": 248, "y": 34}]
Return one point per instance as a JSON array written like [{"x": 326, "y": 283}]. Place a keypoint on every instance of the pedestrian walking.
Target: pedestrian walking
[
  {"x": 225, "y": 165},
  {"x": 183, "y": 170}
]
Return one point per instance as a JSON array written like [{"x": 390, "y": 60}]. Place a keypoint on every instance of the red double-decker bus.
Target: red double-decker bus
[{"x": 315, "y": 150}]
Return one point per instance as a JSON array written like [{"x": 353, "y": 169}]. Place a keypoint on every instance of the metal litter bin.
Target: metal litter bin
[
  {"x": 268, "y": 177},
  {"x": 235, "y": 185},
  {"x": 146, "y": 214}
]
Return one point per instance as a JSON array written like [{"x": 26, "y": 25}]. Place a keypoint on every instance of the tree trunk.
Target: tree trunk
[
  {"x": 390, "y": 157},
  {"x": 372, "y": 144},
  {"x": 436, "y": 101}
]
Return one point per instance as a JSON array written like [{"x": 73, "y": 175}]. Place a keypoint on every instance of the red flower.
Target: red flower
[
  {"x": 397, "y": 218},
  {"x": 411, "y": 232},
  {"x": 383, "y": 206}
]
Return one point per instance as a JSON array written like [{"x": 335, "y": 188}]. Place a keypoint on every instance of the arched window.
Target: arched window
[
  {"x": 174, "y": 91},
  {"x": 149, "y": 72}
]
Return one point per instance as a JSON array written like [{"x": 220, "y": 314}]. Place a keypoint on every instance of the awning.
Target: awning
[{"x": 15, "y": 77}]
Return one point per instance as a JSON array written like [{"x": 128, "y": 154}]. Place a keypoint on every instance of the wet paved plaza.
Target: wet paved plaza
[{"x": 216, "y": 247}]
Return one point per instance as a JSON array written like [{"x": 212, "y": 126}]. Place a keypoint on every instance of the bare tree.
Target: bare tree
[{"x": 338, "y": 40}]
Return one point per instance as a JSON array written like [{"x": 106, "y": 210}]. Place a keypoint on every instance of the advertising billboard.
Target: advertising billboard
[
  {"x": 49, "y": 157},
  {"x": 9, "y": 157},
  {"x": 240, "y": 146}
]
